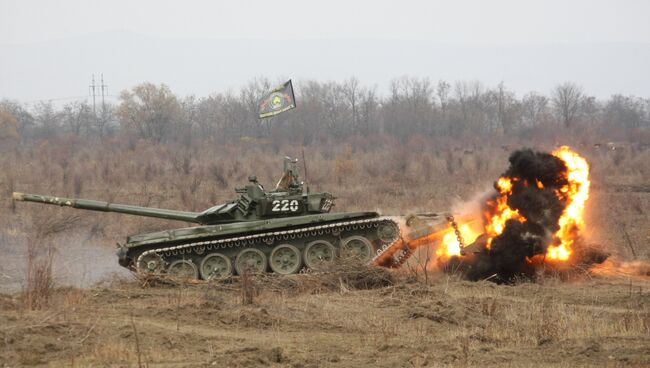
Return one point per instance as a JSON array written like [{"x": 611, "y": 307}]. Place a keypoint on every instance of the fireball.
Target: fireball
[
  {"x": 575, "y": 193},
  {"x": 497, "y": 213},
  {"x": 500, "y": 211}
]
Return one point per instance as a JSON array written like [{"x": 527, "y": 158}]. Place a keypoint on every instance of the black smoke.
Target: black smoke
[{"x": 540, "y": 205}]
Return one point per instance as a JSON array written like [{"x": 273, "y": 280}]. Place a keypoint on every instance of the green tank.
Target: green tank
[{"x": 284, "y": 230}]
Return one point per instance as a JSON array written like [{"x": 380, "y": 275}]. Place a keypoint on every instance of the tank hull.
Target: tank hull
[{"x": 287, "y": 245}]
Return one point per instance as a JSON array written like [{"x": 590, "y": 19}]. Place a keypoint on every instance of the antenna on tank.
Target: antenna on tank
[{"x": 304, "y": 163}]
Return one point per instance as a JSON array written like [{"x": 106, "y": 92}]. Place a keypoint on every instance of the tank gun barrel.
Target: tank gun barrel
[{"x": 86, "y": 204}]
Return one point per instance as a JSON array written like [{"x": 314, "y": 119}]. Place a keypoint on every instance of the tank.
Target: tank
[{"x": 284, "y": 230}]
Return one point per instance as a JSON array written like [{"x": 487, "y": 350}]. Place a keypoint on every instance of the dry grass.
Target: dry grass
[
  {"x": 347, "y": 315},
  {"x": 405, "y": 323},
  {"x": 342, "y": 276}
]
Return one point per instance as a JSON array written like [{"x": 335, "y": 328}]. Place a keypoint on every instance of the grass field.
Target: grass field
[
  {"x": 342, "y": 318},
  {"x": 404, "y": 323}
]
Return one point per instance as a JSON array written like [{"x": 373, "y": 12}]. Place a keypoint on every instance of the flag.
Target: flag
[{"x": 278, "y": 101}]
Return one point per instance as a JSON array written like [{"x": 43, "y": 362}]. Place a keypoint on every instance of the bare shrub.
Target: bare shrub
[
  {"x": 39, "y": 276},
  {"x": 40, "y": 254},
  {"x": 248, "y": 289}
]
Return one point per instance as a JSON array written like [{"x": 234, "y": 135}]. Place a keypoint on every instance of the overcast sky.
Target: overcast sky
[
  {"x": 29, "y": 28},
  {"x": 468, "y": 21}
]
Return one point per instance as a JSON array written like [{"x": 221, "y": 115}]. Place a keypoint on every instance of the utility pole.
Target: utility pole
[
  {"x": 92, "y": 89},
  {"x": 104, "y": 89}
]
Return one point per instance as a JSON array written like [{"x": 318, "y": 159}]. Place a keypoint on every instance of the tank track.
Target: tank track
[{"x": 269, "y": 238}]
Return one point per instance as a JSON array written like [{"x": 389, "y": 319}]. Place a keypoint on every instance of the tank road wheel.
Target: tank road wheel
[
  {"x": 251, "y": 260},
  {"x": 357, "y": 247},
  {"x": 387, "y": 232},
  {"x": 317, "y": 252},
  {"x": 151, "y": 263},
  {"x": 183, "y": 269},
  {"x": 285, "y": 259},
  {"x": 215, "y": 266}
]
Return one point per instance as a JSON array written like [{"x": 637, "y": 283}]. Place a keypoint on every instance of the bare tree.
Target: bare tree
[
  {"x": 77, "y": 116},
  {"x": 23, "y": 117},
  {"x": 335, "y": 107},
  {"x": 106, "y": 118},
  {"x": 533, "y": 108},
  {"x": 369, "y": 106},
  {"x": 149, "y": 110},
  {"x": 336, "y": 110},
  {"x": 508, "y": 113},
  {"x": 47, "y": 118},
  {"x": 590, "y": 109},
  {"x": 625, "y": 111},
  {"x": 250, "y": 100},
  {"x": 472, "y": 113},
  {"x": 410, "y": 106},
  {"x": 567, "y": 98},
  {"x": 351, "y": 92},
  {"x": 8, "y": 126},
  {"x": 188, "y": 119},
  {"x": 442, "y": 91}
]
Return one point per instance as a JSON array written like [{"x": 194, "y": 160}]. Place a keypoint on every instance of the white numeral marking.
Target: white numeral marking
[{"x": 285, "y": 205}]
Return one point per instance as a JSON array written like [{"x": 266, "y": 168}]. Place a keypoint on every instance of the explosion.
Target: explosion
[
  {"x": 499, "y": 211},
  {"x": 450, "y": 244},
  {"x": 534, "y": 217},
  {"x": 576, "y": 193}
]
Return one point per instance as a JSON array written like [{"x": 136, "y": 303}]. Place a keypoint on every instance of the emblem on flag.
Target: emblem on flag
[{"x": 278, "y": 101}]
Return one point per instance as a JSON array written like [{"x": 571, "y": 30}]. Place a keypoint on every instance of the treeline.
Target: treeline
[{"x": 333, "y": 110}]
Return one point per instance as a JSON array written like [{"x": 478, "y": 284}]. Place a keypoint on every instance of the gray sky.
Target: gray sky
[
  {"x": 464, "y": 21},
  {"x": 609, "y": 36}
]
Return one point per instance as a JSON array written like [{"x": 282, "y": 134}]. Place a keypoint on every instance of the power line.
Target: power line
[
  {"x": 78, "y": 98},
  {"x": 56, "y": 99}
]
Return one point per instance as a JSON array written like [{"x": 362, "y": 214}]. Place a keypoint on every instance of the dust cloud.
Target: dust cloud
[{"x": 78, "y": 261}]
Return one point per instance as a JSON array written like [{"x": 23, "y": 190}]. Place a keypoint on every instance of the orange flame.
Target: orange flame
[
  {"x": 501, "y": 212},
  {"x": 450, "y": 246},
  {"x": 575, "y": 193}
]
